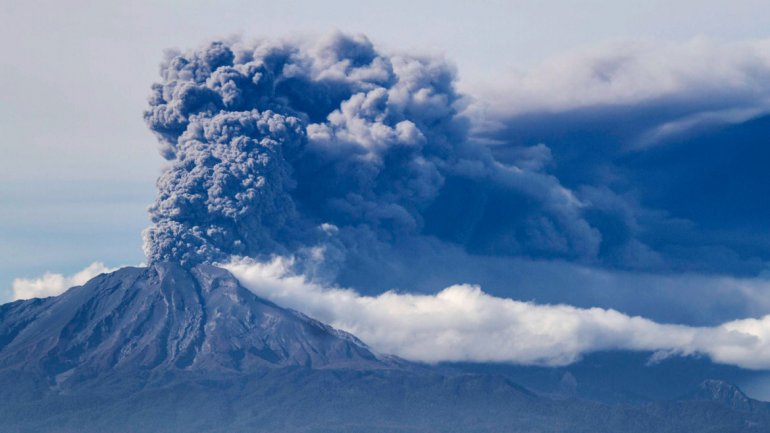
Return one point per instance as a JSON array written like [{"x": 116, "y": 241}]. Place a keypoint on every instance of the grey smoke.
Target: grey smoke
[{"x": 281, "y": 147}]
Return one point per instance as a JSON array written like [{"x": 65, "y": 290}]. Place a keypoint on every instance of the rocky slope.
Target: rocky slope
[
  {"x": 170, "y": 349},
  {"x": 166, "y": 317}
]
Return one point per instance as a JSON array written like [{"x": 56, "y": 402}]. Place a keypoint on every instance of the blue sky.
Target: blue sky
[{"x": 80, "y": 164}]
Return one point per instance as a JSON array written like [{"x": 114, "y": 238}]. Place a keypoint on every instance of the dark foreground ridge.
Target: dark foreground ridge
[{"x": 169, "y": 349}]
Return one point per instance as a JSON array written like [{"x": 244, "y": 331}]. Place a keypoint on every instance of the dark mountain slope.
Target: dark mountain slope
[
  {"x": 166, "y": 317},
  {"x": 621, "y": 377},
  {"x": 167, "y": 349}
]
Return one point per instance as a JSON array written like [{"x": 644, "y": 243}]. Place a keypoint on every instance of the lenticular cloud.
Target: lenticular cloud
[{"x": 276, "y": 148}]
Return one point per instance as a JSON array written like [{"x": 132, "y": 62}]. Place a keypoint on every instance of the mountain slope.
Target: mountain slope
[
  {"x": 167, "y": 317},
  {"x": 166, "y": 349}
]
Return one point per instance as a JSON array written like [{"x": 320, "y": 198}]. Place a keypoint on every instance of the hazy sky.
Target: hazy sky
[{"x": 78, "y": 163}]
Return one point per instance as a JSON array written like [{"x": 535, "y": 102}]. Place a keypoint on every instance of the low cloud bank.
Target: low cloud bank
[
  {"x": 462, "y": 323},
  {"x": 52, "y": 284}
]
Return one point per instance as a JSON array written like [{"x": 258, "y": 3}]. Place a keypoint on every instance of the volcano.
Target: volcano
[
  {"x": 167, "y": 317},
  {"x": 168, "y": 348}
]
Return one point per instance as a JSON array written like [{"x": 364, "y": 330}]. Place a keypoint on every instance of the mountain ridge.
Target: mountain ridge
[
  {"x": 167, "y": 349},
  {"x": 165, "y": 316}
]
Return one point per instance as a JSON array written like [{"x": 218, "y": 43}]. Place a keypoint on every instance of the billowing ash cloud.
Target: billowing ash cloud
[
  {"x": 226, "y": 191},
  {"x": 280, "y": 147}
]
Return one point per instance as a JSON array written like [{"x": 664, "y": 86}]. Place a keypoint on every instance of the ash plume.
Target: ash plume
[{"x": 281, "y": 147}]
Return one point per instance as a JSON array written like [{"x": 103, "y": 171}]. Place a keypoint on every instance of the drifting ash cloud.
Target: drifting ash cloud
[
  {"x": 660, "y": 140},
  {"x": 462, "y": 323}
]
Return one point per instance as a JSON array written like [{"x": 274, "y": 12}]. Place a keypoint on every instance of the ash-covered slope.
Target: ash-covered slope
[
  {"x": 167, "y": 317},
  {"x": 167, "y": 349}
]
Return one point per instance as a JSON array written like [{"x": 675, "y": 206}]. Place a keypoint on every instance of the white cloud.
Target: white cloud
[
  {"x": 462, "y": 323},
  {"x": 723, "y": 79},
  {"x": 51, "y": 284}
]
